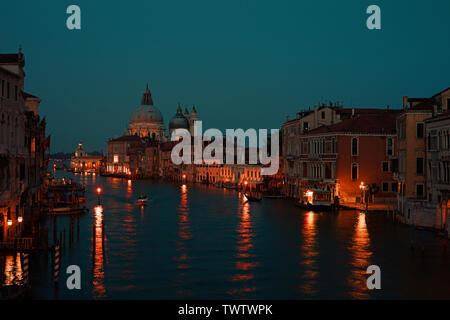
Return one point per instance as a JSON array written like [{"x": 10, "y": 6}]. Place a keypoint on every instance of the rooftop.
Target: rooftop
[{"x": 363, "y": 123}]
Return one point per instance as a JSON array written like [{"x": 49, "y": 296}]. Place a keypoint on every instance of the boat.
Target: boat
[
  {"x": 274, "y": 196},
  {"x": 252, "y": 198},
  {"x": 315, "y": 199},
  {"x": 229, "y": 185},
  {"x": 142, "y": 200},
  {"x": 67, "y": 210}
]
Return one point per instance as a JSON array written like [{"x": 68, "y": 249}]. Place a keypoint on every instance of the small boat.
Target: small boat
[
  {"x": 252, "y": 198},
  {"x": 315, "y": 199},
  {"x": 142, "y": 200},
  {"x": 67, "y": 210},
  {"x": 274, "y": 196}
]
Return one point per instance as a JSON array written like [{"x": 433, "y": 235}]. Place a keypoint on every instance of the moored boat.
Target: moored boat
[
  {"x": 315, "y": 199},
  {"x": 253, "y": 197},
  {"x": 142, "y": 200}
]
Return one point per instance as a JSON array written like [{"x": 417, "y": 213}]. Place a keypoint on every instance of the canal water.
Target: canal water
[{"x": 201, "y": 242}]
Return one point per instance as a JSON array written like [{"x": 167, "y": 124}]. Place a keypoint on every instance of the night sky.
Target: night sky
[{"x": 242, "y": 63}]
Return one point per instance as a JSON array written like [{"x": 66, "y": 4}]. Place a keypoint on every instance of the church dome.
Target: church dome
[
  {"x": 147, "y": 120},
  {"x": 146, "y": 112},
  {"x": 179, "y": 121}
]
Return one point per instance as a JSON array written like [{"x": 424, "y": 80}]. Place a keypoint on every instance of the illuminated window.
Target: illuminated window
[{"x": 116, "y": 158}]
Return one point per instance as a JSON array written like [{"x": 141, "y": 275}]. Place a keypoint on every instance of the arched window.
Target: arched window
[{"x": 354, "y": 171}]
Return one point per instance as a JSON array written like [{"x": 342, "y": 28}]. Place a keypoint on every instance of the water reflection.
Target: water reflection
[
  {"x": 184, "y": 234},
  {"x": 129, "y": 188},
  {"x": 98, "y": 285},
  {"x": 309, "y": 255},
  {"x": 360, "y": 259},
  {"x": 12, "y": 266},
  {"x": 244, "y": 259}
]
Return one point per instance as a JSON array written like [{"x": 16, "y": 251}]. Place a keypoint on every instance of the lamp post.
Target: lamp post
[
  {"x": 99, "y": 190},
  {"x": 363, "y": 190},
  {"x": 20, "y": 219}
]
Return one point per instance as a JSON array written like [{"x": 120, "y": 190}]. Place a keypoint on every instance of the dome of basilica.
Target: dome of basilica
[
  {"x": 179, "y": 121},
  {"x": 147, "y": 120}
]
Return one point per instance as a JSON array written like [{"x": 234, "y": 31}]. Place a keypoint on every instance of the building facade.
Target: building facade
[
  {"x": 343, "y": 157},
  {"x": 82, "y": 162},
  {"x": 438, "y": 168},
  {"x": 23, "y": 146},
  {"x": 414, "y": 205}
]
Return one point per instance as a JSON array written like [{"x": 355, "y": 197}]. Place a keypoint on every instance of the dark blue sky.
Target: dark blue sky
[{"x": 242, "y": 63}]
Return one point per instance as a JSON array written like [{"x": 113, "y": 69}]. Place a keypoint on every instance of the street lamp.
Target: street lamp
[
  {"x": 20, "y": 219},
  {"x": 9, "y": 222},
  {"x": 99, "y": 190},
  {"x": 363, "y": 190}
]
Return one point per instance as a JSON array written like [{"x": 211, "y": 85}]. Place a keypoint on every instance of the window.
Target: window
[
  {"x": 385, "y": 186},
  {"x": 15, "y": 93},
  {"x": 3, "y": 88},
  {"x": 354, "y": 171},
  {"x": 7, "y": 90},
  {"x": 385, "y": 166},
  {"x": 419, "y": 165},
  {"x": 116, "y": 158},
  {"x": 323, "y": 114},
  {"x": 390, "y": 147},
  {"x": 419, "y": 189},
  {"x": 419, "y": 130},
  {"x": 394, "y": 187},
  {"x": 305, "y": 126},
  {"x": 354, "y": 146},
  {"x": 22, "y": 172}
]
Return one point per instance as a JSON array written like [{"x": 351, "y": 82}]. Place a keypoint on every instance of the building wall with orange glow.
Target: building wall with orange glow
[{"x": 372, "y": 152}]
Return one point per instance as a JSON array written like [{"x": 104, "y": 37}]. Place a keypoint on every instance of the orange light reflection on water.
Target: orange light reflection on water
[
  {"x": 184, "y": 235},
  {"x": 309, "y": 253},
  {"x": 245, "y": 263},
  {"x": 98, "y": 285},
  {"x": 361, "y": 254},
  {"x": 12, "y": 270}
]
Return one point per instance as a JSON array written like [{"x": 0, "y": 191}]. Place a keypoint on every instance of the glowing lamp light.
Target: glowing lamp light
[
  {"x": 245, "y": 182},
  {"x": 20, "y": 219},
  {"x": 9, "y": 222},
  {"x": 99, "y": 190},
  {"x": 361, "y": 186},
  {"x": 184, "y": 176},
  {"x": 309, "y": 193}
]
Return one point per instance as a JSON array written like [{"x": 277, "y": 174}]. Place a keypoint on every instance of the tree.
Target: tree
[{"x": 371, "y": 190}]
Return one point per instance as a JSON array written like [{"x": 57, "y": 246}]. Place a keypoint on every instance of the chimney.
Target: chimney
[{"x": 405, "y": 102}]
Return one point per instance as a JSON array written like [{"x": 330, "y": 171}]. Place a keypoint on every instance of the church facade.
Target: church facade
[{"x": 137, "y": 151}]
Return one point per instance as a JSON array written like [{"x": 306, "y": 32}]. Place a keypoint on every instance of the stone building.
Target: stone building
[
  {"x": 293, "y": 130},
  {"x": 82, "y": 162},
  {"x": 342, "y": 157},
  {"x": 23, "y": 146},
  {"x": 438, "y": 168},
  {"x": 414, "y": 206},
  {"x": 123, "y": 155}
]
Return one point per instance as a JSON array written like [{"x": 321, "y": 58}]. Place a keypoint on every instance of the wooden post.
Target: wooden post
[{"x": 412, "y": 236}]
